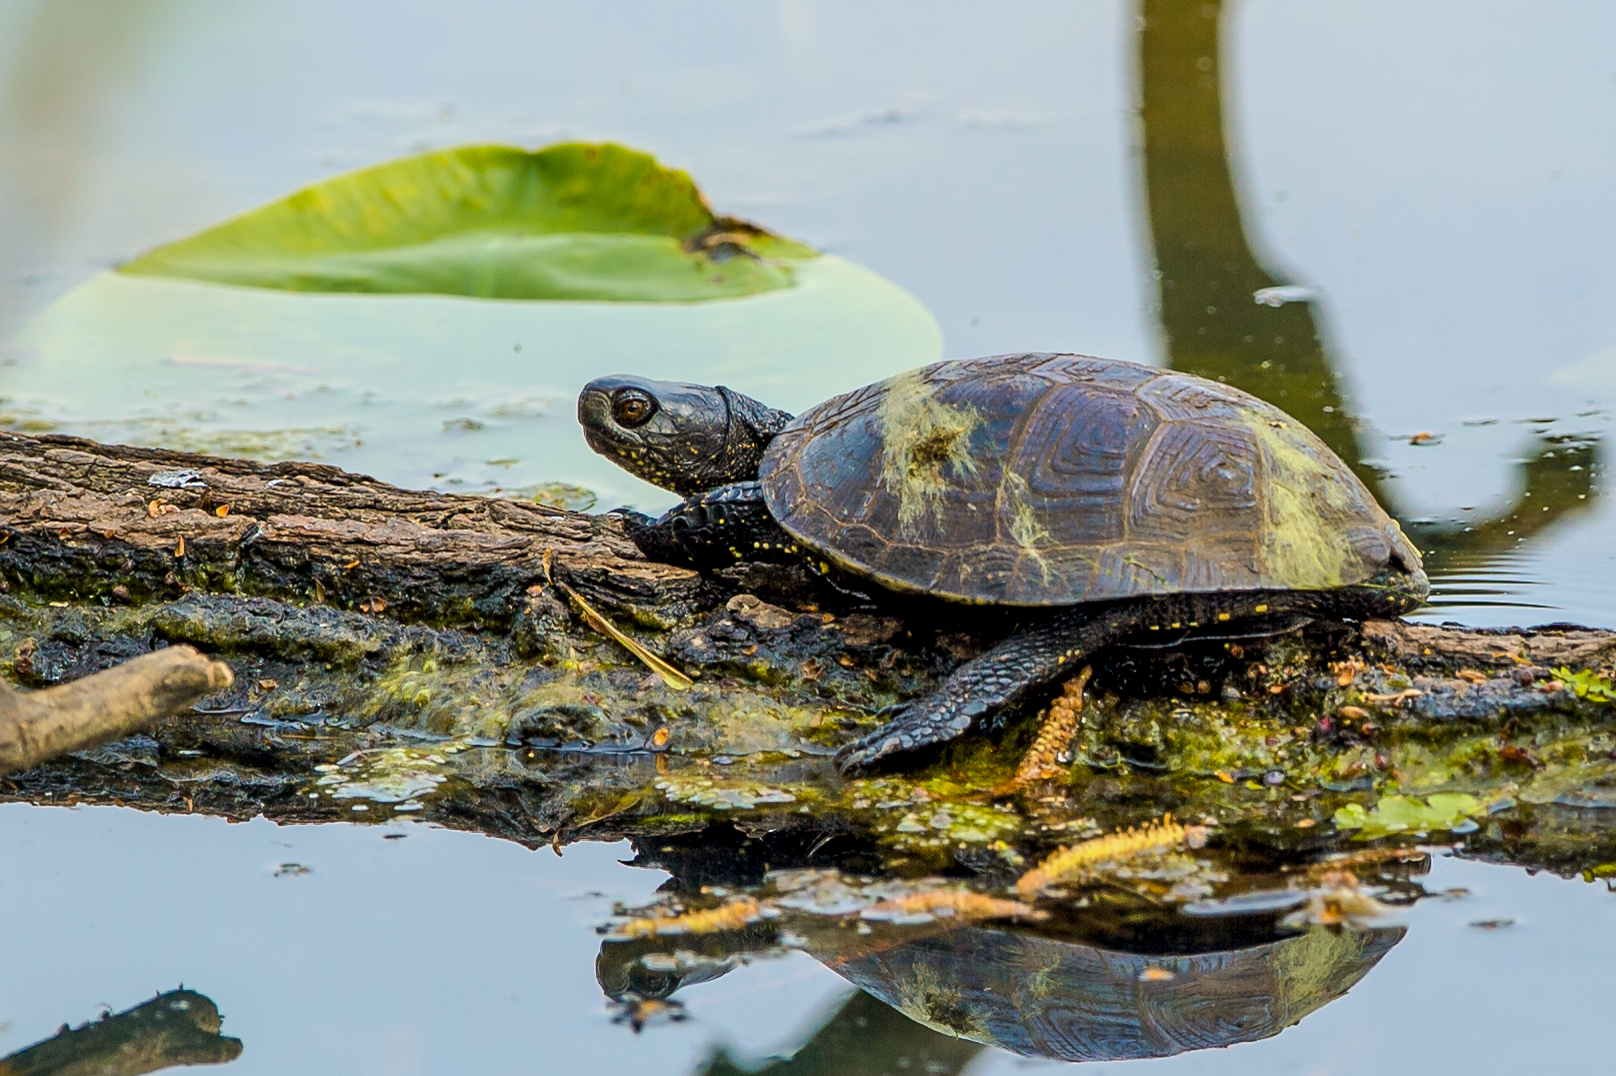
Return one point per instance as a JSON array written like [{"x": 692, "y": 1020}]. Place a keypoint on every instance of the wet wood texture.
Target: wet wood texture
[{"x": 84, "y": 521}]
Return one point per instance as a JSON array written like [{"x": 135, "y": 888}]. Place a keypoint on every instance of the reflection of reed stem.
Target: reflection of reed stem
[
  {"x": 1208, "y": 273},
  {"x": 1081, "y": 859}
]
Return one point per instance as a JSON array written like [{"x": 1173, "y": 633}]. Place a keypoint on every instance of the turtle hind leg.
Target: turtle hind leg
[
  {"x": 995, "y": 681},
  {"x": 1016, "y": 667}
]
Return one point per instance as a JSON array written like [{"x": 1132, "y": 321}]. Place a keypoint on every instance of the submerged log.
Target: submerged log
[{"x": 180, "y": 1027}]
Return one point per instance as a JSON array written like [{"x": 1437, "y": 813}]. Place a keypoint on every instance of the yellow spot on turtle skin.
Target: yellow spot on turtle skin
[
  {"x": 923, "y": 442},
  {"x": 1155, "y": 627},
  {"x": 1262, "y": 609},
  {"x": 1175, "y": 625},
  {"x": 1223, "y": 616}
]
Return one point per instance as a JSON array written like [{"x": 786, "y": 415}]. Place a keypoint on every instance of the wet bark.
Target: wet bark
[{"x": 84, "y": 521}]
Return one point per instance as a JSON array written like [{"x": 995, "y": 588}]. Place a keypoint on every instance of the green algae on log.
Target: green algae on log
[
  {"x": 399, "y": 651},
  {"x": 570, "y": 221}
]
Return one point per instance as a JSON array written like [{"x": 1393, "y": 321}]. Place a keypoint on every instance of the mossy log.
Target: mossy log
[
  {"x": 400, "y": 651},
  {"x": 84, "y": 521}
]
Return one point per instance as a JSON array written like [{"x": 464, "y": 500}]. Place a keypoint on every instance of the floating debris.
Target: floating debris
[
  {"x": 721, "y": 795},
  {"x": 1404, "y": 814},
  {"x": 1340, "y": 902},
  {"x": 732, "y": 916},
  {"x": 948, "y": 904},
  {"x": 1083, "y": 858},
  {"x": 828, "y": 892},
  {"x": 1281, "y": 294},
  {"x": 387, "y": 775},
  {"x": 562, "y": 495}
]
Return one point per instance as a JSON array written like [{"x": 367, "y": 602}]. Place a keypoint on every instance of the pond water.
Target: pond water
[{"x": 1391, "y": 220}]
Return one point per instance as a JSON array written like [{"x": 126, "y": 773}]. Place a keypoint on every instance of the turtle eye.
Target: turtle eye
[{"x": 631, "y": 407}]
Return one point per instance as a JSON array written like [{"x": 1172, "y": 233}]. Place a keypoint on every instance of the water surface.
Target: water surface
[{"x": 1391, "y": 220}]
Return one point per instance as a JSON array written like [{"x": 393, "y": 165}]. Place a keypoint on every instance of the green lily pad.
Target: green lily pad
[
  {"x": 454, "y": 391},
  {"x": 571, "y": 221},
  {"x": 1405, "y": 814},
  {"x": 447, "y": 392}
]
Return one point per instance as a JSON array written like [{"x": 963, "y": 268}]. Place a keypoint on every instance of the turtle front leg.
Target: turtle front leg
[{"x": 713, "y": 530}]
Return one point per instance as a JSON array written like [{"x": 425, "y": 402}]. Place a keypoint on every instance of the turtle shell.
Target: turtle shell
[{"x": 1051, "y": 479}]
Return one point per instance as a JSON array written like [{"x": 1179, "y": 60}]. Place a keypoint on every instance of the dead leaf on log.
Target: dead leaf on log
[{"x": 670, "y": 676}]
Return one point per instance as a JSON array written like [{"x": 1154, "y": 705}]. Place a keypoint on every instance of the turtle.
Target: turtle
[{"x": 1105, "y": 499}]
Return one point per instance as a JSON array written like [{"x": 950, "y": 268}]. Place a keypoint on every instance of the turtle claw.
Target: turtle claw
[
  {"x": 910, "y": 728},
  {"x": 859, "y": 754},
  {"x": 878, "y": 743}
]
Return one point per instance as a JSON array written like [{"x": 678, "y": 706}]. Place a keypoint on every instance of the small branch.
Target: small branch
[{"x": 37, "y": 726}]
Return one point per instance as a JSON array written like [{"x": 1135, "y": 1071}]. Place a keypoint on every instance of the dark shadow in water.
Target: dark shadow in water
[
  {"x": 180, "y": 1027},
  {"x": 1208, "y": 276},
  {"x": 866, "y": 1037}
]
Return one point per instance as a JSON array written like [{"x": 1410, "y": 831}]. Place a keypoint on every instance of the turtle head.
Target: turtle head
[{"x": 686, "y": 438}]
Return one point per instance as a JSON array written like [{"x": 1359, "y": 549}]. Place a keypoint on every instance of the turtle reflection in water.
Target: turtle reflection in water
[
  {"x": 1106, "y": 498},
  {"x": 1041, "y": 996}
]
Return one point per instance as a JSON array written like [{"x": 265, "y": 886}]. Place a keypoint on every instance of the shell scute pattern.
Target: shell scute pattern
[
  {"x": 907, "y": 561},
  {"x": 1106, "y": 373},
  {"x": 1138, "y": 569},
  {"x": 986, "y": 573},
  {"x": 1194, "y": 477},
  {"x": 1222, "y": 562},
  {"x": 1057, "y": 479},
  {"x": 1076, "y": 449},
  {"x": 1180, "y": 397}
]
